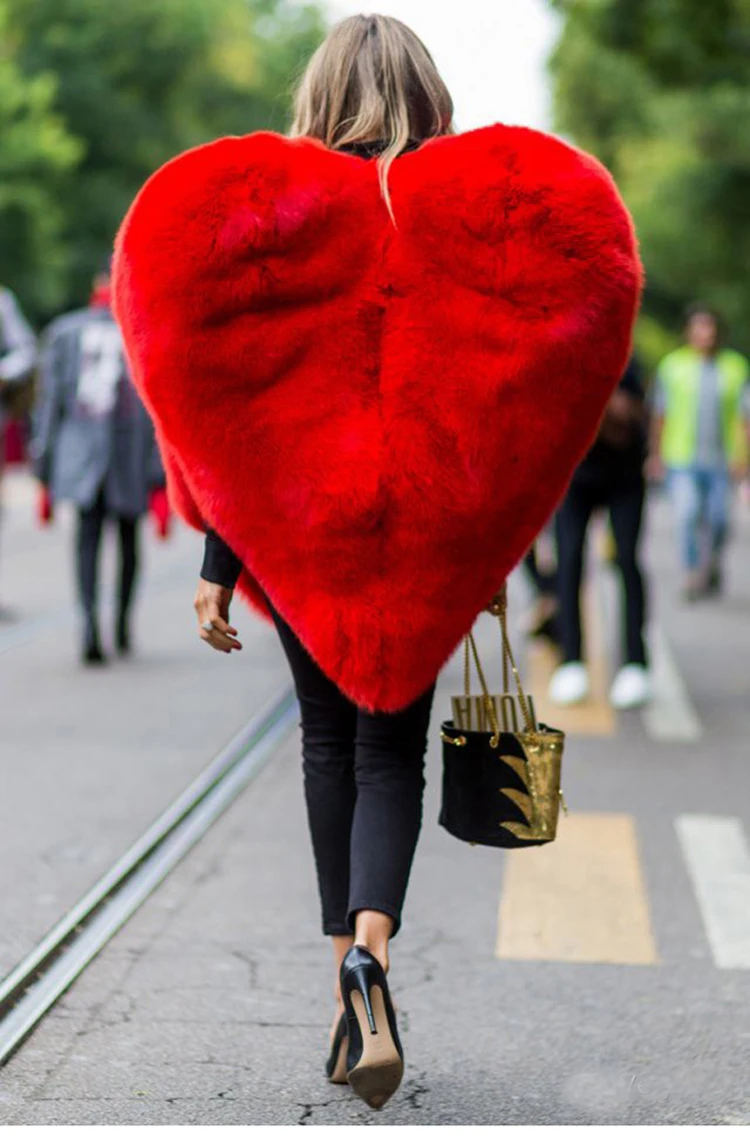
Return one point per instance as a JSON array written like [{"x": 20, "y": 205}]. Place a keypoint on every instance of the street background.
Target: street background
[
  {"x": 590, "y": 982},
  {"x": 605, "y": 979}
]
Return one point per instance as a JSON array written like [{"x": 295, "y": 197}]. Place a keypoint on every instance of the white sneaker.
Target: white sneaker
[
  {"x": 631, "y": 687},
  {"x": 569, "y": 684}
]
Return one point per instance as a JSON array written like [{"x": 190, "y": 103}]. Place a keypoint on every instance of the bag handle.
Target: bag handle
[
  {"x": 489, "y": 705},
  {"x": 509, "y": 659},
  {"x": 509, "y": 662}
]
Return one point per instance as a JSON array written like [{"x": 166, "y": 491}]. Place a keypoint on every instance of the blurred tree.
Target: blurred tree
[
  {"x": 660, "y": 90},
  {"x": 34, "y": 150},
  {"x": 138, "y": 81}
]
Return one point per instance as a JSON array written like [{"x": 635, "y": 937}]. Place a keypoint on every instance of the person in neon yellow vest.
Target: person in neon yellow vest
[{"x": 700, "y": 439}]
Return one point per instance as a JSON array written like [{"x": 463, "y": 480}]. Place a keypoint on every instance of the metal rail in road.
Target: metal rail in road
[{"x": 36, "y": 984}]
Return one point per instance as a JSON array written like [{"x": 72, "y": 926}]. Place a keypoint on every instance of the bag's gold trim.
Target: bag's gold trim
[
  {"x": 460, "y": 740},
  {"x": 523, "y": 832},
  {"x": 541, "y": 775},
  {"x": 521, "y": 800}
]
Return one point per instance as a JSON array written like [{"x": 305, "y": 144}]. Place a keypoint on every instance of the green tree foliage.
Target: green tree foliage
[
  {"x": 660, "y": 90},
  {"x": 35, "y": 149},
  {"x": 129, "y": 83}
]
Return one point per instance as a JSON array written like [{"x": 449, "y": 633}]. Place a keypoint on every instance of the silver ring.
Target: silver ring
[{"x": 208, "y": 626}]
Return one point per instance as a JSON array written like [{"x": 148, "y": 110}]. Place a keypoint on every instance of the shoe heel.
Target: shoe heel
[{"x": 361, "y": 983}]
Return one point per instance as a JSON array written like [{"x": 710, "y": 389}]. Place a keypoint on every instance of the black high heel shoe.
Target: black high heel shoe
[
  {"x": 336, "y": 1065},
  {"x": 375, "y": 1059}
]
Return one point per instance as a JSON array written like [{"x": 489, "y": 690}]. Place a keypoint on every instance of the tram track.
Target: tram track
[{"x": 32, "y": 988}]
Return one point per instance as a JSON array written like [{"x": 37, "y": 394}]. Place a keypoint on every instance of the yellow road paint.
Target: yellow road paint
[
  {"x": 581, "y": 899},
  {"x": 594, "y": 717}
]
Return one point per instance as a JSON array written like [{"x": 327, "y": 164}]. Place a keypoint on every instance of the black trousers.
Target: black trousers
[
  {"x": 364, "y": 780},
  {"x": 88, "y": 543},
  {"x": 625, "y": 503}
]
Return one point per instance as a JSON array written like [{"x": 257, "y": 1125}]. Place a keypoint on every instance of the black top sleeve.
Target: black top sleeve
[{"x": 220, "y": 564}]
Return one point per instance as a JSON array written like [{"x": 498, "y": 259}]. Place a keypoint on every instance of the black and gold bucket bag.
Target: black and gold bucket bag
[{"x": 501, "y": 768}]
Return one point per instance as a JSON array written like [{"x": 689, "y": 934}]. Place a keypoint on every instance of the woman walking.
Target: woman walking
[{"x": 346, "y": 341}]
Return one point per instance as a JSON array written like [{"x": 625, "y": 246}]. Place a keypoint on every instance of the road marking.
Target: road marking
[
  {"x": 670, "y": 716},
  {"x": 581, "y": 899},
  {"x": 594, "y": 717},
  {"x": 718, "y": 859}
]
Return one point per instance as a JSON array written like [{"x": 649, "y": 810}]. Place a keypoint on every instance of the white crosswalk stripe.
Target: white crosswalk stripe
[
  {"x": 585, "y": 898},
  {"x": 717, "y": 855},
  {"x": 671, "y": 716}
]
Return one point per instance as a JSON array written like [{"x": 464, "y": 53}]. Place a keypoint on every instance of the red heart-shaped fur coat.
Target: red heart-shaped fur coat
[{"x": 377, "y": 416}]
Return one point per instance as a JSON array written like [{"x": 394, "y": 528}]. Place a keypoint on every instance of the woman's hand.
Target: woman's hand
[
  {"x": 500, "y": 601},
  {"x": 212, "y": 606}
]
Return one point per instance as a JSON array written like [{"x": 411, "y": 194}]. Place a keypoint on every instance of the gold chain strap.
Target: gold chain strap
[
  {"x": 506, "y": 679},
  {"x": 467, "y": 669},
  {"x": 508, "y": 662},
  {"x": 508, "y": 658},
  {"x": 489, "y": 705}
]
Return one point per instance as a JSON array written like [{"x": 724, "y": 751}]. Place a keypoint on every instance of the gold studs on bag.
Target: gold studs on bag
[{"x": 460, "y": 740}]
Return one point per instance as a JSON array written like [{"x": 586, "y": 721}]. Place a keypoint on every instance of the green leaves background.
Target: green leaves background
[
  {"x": 95, "y": 94},
  {"x": 660, "y": 91}
]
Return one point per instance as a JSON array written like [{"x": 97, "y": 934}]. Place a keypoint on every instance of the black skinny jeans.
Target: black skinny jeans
[
  {"x": 364, "y": 779},
  {"x": 625, "y": 503},
  {"x": 88, "y": 542}
]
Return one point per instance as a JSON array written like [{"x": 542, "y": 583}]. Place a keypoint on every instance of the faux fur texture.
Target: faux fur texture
[{"x": 377, "y": 419}]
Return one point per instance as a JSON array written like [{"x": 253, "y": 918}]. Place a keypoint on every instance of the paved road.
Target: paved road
[{"x": 603, "y": 980}]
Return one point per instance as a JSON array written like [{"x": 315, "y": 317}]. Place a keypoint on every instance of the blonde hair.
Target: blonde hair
[{"x": 372, "y": 80}]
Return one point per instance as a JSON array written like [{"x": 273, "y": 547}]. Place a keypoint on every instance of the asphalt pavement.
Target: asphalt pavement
[{"x": 604, "y": 979}]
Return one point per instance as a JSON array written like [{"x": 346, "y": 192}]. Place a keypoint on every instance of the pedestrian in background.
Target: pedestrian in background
[
  {"x": 611, "y": 476},
  {"x": 94, "y": 445},
  {"x": 699, "y": 439},
  {"x": 18, "y": 351}
]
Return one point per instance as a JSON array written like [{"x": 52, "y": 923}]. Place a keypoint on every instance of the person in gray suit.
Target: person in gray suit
[
  {"x": 18, "y": 352},
  {"x": 94, "y": 445}
]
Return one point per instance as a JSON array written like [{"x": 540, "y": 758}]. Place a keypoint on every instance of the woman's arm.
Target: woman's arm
[
  {"x": 219, "y": 575},
  {"x": 220, "y": 564}
]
